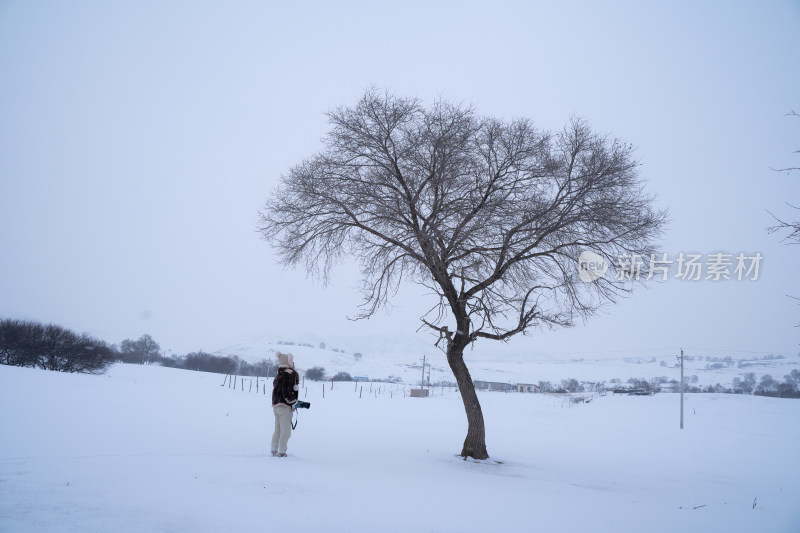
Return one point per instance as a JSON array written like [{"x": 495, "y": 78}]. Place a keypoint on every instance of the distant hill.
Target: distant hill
[{"x": 400, "y": 356}]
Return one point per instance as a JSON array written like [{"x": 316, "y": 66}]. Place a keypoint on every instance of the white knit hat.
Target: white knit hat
[{"x": 285, "y": 360}]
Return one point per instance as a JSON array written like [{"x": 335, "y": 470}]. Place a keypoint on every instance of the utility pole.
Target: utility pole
[
  {"x": 422, "y": 383},
  {"x": 681, "y": 360}
]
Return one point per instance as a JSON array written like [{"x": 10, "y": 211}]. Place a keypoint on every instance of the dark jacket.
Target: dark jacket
[{"x": 285, "y": 387}]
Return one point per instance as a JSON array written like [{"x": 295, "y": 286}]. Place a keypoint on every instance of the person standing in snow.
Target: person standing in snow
[{"x": 284, "y": 396}]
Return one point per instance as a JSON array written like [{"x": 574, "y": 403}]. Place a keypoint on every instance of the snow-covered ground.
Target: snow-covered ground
[{"x": 145, "y": 448}]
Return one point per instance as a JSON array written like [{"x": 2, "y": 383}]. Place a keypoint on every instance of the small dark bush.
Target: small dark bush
[{"x": 315, "y": 373}]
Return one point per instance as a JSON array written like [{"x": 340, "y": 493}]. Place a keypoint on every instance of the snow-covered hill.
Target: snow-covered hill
[
  {"x": 400, "y": 356},
  {"x": 146, "y": 448}
]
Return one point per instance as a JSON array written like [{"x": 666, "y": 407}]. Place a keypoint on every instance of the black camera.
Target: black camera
[{"x": 302, "y": 405}]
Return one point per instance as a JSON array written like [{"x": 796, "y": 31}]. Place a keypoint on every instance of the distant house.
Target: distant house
[
  {"x": 360, "y": 378},
  {"x": 527, "y": 387},
  {"x": 495, "y": 386}
]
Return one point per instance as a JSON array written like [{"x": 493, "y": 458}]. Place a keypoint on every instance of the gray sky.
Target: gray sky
[{"x": 139, "y": 139}]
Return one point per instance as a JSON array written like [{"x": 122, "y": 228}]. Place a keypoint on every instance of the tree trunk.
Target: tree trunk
[{"x": 475, "y": 443}]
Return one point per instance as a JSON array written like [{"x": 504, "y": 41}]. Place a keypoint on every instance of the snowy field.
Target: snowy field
[{"x": 147, "y": 448}]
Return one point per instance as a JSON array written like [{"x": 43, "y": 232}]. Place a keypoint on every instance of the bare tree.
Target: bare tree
[
  {"x": 789, "y": 170},
  {"x": 490, "y": 215},
  {"x": 792, "y": 229},
  {"x": 141, "y": 351}
]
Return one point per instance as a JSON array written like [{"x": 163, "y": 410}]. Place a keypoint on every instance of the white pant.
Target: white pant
[{"x": 283, "y": 427}]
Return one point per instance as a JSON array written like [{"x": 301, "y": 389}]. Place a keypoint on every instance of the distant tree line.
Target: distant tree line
[
  {"x": 747, "y": 384},
  {"x": 306, "y": 344},
  {"x": 222, "y": 364},
  {"x": 145, "y": 350},
  {"x": 789, "y": 388},
  {"x": 571, "y": 385},
  {"x": 50, "y": 347},
  {"x": 765, "y": 386},
  {"x": 317, "y": 373}
]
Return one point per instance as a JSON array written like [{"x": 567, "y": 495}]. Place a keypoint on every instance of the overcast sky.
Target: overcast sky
[{"x": 138, "y": 141}]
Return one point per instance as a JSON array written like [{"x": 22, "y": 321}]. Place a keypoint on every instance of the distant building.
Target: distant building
[
  {"x": 495, "y": 386},
  {"x": 527, "y": 387},
  {"x": 360, "y": 378}
]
